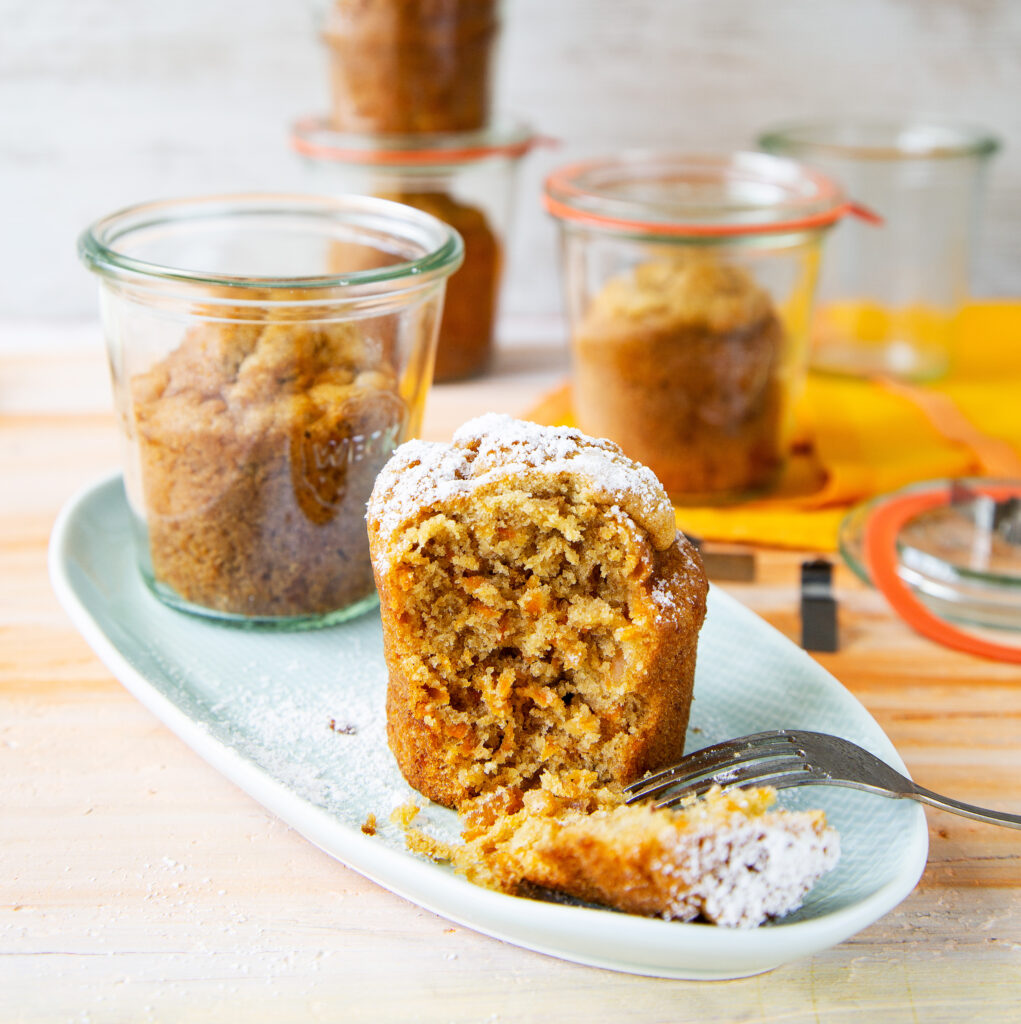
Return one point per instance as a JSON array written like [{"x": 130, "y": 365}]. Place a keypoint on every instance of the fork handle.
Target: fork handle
[{"x": 946, "y": 803}]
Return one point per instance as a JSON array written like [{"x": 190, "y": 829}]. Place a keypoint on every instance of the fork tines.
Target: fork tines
[
  {"x": 796, "y": 757},
  {"x": 774, "y": 759}
]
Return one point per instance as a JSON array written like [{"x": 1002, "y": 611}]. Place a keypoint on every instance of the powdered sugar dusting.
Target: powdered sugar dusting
[
  {"x": 315, "y": 721},
  {"x": 494, "y": 448},
  {"x": 663, "y": 596},
  {"x": 748, "y": 870}
]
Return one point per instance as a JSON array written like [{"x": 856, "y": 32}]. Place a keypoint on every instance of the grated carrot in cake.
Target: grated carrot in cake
[{"x": 540, "y": 610}]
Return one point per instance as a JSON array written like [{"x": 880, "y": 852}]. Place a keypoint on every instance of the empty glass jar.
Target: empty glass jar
[{"x": 889, "y": 295}]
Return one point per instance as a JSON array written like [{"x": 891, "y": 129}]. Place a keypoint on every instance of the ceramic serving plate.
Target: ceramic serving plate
[{"x": 297, "y": 721}]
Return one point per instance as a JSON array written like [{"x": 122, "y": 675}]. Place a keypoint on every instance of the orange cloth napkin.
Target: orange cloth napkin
[{"x": 856, "y": 439}]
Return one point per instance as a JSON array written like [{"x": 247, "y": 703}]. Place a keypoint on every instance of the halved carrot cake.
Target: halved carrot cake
[{"x": 540, "y": 610}]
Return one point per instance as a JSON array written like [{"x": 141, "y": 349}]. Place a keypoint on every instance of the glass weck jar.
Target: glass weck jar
[
  {"x": 262, "y": 378},
  {"x": 889, "y": 300},
  {"x": 464, "y": 179},
  {"x": 689, "y": 283}
]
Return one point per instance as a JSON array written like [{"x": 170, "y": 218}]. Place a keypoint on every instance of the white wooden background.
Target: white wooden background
[{"x": 108, "y": 102}]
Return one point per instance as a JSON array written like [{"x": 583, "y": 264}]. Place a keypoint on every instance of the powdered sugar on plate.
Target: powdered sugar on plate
[{"x": 315, "y": 721}]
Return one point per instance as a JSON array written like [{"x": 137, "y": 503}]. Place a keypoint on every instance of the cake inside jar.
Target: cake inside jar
[
  {"x": 411, "y": 66},
  {"x": 469, "y": 308},
  {"x": 259, "y": 442},
  {"x": 465, "y": 343},
  {"x": 681, "y": 361}
]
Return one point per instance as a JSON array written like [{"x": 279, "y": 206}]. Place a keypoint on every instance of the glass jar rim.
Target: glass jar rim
[
  {"x": 442, "y": 249},
  {"x": 313, "y": 137},
  {"x": 863, "y": 138},
  {"x": 660, "y": 194}
]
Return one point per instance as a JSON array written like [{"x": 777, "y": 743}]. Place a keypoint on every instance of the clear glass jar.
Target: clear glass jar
[
  {"x": 689, "y": 283},
  {"x": 407, "y": 66},
  {"x": 889, "y": 297},
  {"x": 262, "y": 377},
  {"x": 466, "y": 180}
]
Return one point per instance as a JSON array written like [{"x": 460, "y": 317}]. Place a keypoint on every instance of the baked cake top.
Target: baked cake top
[
  {"x": 493, "y": 449},
  {"x": 686, "y": 292}
]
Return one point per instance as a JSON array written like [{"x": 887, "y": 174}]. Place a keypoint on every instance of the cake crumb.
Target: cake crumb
[
  {"x": 369, "y": 825},
  {"x": 405, "y": 814},
  {"x": 729, "y": 857}
]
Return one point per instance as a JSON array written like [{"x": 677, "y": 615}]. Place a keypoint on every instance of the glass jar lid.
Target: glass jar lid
[
  {"x": 699, "y": 196},
  {"x": 958, "y": 547}
]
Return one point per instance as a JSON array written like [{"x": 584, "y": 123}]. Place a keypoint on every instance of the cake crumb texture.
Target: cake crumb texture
[
  {"x": 540, "y": 611},
  {"x": 728, "y": 858},
  {"x": 259, "y": 443}
]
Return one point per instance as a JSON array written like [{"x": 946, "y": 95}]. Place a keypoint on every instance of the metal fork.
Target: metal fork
[{"x": 794, "y": 757}]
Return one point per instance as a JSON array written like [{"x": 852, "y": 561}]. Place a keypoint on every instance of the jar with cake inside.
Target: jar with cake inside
[
  {"x": 467, "y": 181},
  {"x": 410, "y": 66},
  {"x": 689, "y": 285},
  {"x": 261, "y": 387}
]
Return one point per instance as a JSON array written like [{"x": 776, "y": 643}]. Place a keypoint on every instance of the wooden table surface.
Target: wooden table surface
[{"x": 136, "y": 884}]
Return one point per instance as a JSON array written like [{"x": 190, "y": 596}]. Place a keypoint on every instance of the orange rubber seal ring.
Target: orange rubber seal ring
[
  {"x": 823, "y": 219},
  {"x": 882, "y": 528},
  {"x": 566, "y": 200}
]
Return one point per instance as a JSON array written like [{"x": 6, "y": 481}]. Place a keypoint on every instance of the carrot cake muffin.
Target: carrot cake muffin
[
  {"x": 540, "y": 610},
  {"x": 727, "y": 858},
  {"x": 682, "y": 362},
  {"x": 259, "y": 443}
]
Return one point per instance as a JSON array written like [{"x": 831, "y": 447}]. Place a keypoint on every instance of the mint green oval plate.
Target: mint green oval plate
[{"x": 297, "y": 721}]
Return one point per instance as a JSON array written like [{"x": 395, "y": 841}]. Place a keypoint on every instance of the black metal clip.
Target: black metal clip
[{"x": 818, "y": 606}]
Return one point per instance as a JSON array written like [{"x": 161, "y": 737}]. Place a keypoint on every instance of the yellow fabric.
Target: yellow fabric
[{"x": 859, "y": 438}]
